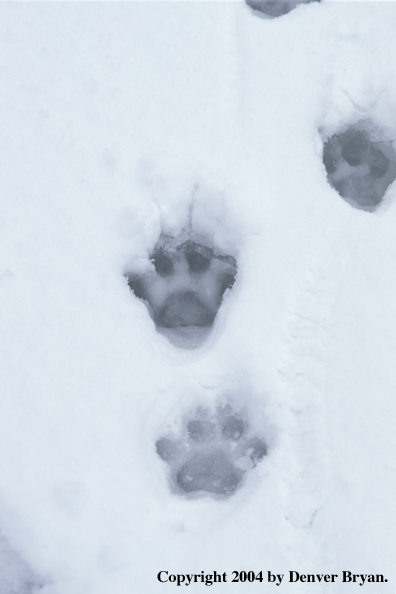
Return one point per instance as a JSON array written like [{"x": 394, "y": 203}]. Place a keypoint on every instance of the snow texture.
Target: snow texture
[
  {"x": 16, "y": 576},
  {"x": 184, "y": 291},
  {"x": 134, "y": 127},
  {"x": 360, "y": 165},
  {"x": 213, "y": 454},
  {"x": 276, "y": 8}
]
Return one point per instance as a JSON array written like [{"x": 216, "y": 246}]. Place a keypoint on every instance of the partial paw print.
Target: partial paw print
[
  {"x": 185, "y": 288},
  {"x": 213, "y": 454},
  {"x": 276, "y": 8},
  {"x": 360, "y": 165}
]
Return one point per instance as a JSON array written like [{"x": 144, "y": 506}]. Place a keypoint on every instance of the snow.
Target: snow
[{"x": 120, "y": 120}]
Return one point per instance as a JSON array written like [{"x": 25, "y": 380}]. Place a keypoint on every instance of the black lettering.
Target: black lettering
[
  {"x": 208, "y": 579},
  {"x": 180, "y": 579},
  {"x": 346, "y": 576},
  {"x": 159, "y": 577}
]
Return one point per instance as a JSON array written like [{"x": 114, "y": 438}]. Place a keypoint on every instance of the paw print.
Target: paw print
[
  {"x": 276, "y": 8},
  {"x": 186, "y": 286},
  {"x": 359, "y": 167},
  {"x": 214, "y": 453}
]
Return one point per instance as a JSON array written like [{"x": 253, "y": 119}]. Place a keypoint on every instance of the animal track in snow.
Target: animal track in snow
[
  {"x": 276, "y": 8},
  {"x": 360, "y": 165},
  {"x": 213, "y": 454},
  {"x": 185, "y": 288}
]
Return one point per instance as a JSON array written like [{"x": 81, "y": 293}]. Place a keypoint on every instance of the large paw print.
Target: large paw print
[
  {"x": 276, "y": 8},
  {"x": 359, "y": 167},
  {"x": 214, "y": 453},
  {"x": 186, "y": 287}
]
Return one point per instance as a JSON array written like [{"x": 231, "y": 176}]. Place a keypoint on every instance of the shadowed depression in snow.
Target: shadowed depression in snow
[
  {"x": 16, "y": 577},
  {"x": 360, "y": 165},
  {"x": 185, "y": 288},
  {"x": 214, "y": 453},
  {"x": 276, "y": 8}
]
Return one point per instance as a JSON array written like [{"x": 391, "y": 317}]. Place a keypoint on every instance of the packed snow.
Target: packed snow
[
  {"x": 213, "y": 453},
  {"x": 276, "y": 8},
  {"x": 360, "y": 167},
  {"x": 200, "y": 129},
  {"x": 184, "y": 288}
]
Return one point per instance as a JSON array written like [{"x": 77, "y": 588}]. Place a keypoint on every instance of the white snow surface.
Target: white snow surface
[{"x": 117, "y": 119}]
